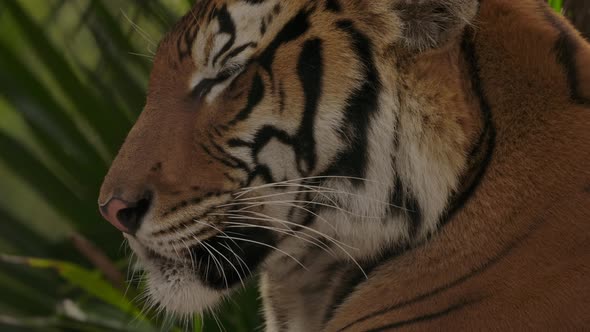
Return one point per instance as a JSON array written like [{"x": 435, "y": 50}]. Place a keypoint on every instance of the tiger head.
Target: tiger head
[{"x": 272, "y": 127}]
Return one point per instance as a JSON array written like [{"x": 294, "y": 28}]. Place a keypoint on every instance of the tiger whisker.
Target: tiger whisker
[
  {"x": 321, "y": 190},
  {"x": 174, "y": 247},
  {"x": 146, "y": 36},
  {"x": 148, "y": 56},
  {"x": 255, "y": 204},
  {"x": 286, "y": 232},
  {"x": 218, "y": 322},
  {"x": 285, "y": 193},
  {"x": 133, "y": 271},
  {"x": 331, "y": 239},
  {"x": 268, "y": 246},
  {"x": 148, "y": 305},
  {"x": 230, "y": 263},
  {"x": 247, "y": 189},
  {"x": 213, "y": 227},
  {"x": 215, "y": 261},
  {"x": 189, "y": 251},
  {"x": 285, "y": 222},
  {"x": 240, "y": 260},
  {"x": 222, "y": 232}
]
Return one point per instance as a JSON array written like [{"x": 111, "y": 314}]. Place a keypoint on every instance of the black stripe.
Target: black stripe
[
  {"x": 474, "y": 272},
  {"x": 310, "y": 71},
  {"x": 414, "y": 215},
  {"x": 195, "y": 200},
  {"x": 282, "y": 97},
  {"x": 238, "y": 143},
  {"x": 263, "y": 27},
  {"x": 362, "y": 104},
  {"x": 355, "y": 277},
  {"x": 333, "y": 6},
  {"x": 423, "y": 318},
  {"x": 227, "y": 26},
  {"x": 404, "y": 203},
  {"x": 295, "y": 28},
  {"x": 231, "y": 163},
  {"x": 566, "y": 48},
  {"x": 263, "y": 137},
  {"x": 236, "y": 51},
  {"x": 396, "y": 197},
  {"x": 481, "y": 155},
  {"x": 227, "y": 156},
  {"x": 479, "y": 164},
  {"x": 254, "y": 97},
  {"x": 182, "y": 226},
  {"x": 185, "y": 42},
  {"x": 261, "y": 171},
  {"x": 205, "y": 85}
]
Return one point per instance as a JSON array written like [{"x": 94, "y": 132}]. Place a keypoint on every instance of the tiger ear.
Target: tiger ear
[{"x": 427, "y": 24}]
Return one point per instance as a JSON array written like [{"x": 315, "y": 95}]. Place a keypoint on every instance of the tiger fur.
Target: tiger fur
[{"x": 378, "y": 164}]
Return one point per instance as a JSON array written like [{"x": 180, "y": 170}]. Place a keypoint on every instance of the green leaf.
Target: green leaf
[
  {"x": 53, "y": 127},
  {"x": 557, "y": 5},
  {"x": 21, "y": 237},
  {"x": 108, "y": 121},
  {"x": 84, "y": 213},
  {"x": 90, "y": 281},
  {"x": 116, "y": 53}
]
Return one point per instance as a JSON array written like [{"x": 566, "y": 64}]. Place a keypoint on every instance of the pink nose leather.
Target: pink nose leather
[{"x": 110, "y": 210}]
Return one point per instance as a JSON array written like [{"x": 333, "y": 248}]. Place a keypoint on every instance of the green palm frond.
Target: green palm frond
[
  {"x": 557, "y": 5},
  {"x": 73, "y": 76}
]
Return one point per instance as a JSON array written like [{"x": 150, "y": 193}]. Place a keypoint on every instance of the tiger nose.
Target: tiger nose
[{"x": 126, "y": 216}]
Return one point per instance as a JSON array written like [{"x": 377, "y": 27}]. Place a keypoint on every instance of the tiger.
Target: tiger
[{"x": 374, "y": 165}]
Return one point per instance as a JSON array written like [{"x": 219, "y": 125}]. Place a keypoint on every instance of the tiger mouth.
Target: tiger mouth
[{"x": 222, "y": 261}]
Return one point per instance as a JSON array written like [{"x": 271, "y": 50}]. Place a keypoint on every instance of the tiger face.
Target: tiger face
[{"x": 272, "y": 127}]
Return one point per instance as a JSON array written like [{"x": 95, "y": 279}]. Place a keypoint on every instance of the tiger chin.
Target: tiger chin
[{"x": 377, "y": 164}]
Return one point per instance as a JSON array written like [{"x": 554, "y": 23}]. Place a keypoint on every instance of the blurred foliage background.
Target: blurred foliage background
[{"x": 73, "y": 74}]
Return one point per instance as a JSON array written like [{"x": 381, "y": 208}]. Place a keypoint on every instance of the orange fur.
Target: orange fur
[
  {"x": 514, "y": 251},
  {"x": 517, "y": 256}
]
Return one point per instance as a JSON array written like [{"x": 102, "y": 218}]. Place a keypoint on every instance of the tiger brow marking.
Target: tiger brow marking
[
  {"x": 226, "y": 26},
  {"x": 185, "y": 41},
  {"x": 295, "y": 28},
  {"x": 205, "y": 85},
  {"x": 237, "y": 51}
]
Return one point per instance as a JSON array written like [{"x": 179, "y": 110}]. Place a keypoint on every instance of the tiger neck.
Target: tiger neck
[{"x": 418, "y": 156}]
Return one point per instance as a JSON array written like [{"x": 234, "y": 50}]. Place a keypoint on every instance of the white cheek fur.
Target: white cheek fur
[{"x": 175, "y": 288}]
